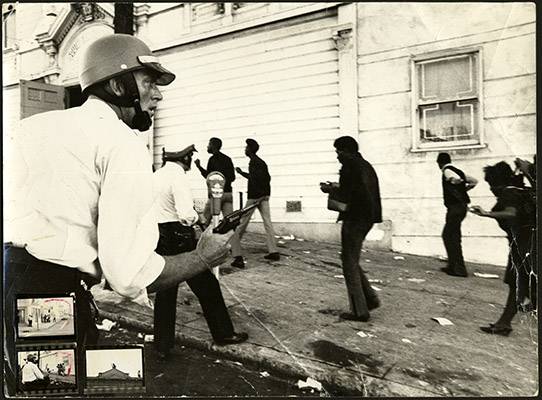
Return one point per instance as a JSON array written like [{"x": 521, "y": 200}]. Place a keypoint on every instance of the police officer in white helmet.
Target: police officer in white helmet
[{"x": 79, "y": 195}]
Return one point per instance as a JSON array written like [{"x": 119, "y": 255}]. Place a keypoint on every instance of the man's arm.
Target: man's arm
[
  {"x": 202, "y": 170},
  {"x": 212, "y": 250},
  {"x": 229, "y": 171},
  {"x": 242, "y": 173},
  {"x": 470, "y": 182}
]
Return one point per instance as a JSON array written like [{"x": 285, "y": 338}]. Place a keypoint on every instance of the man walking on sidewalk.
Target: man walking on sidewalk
[
  {"x": 218, "y": 162},
  {"x": 176, "y": 216},
  {"x": 358, "y": 187},
  {"x": 259, "y": 190},
  {"x": 455, "y": 185}
]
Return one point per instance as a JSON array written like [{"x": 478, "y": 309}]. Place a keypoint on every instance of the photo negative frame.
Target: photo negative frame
[
  {"x": 45, "y": 317},
  {"x": 115, "y": 369},
  {"x": 47, "y": 369}
]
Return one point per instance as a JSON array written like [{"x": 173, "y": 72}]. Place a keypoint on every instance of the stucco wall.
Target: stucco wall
[{"x": 389, "y": 34}]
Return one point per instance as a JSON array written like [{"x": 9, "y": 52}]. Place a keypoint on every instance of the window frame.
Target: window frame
[{"x": 417, "y": 144}]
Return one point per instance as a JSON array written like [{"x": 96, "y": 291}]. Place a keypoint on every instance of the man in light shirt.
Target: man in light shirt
[
  {"x": 176, "y": 218},
  {"x": 32, "y": 377},
  {"x": 455, "y": 184},
  {"x": 79, "y": 194}
]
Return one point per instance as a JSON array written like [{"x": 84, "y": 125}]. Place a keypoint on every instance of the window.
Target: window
[
  {"x": 8, "y": 22},
  {"x": 446, "y": 97}
]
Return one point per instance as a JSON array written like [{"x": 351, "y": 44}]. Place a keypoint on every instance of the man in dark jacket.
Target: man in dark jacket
[
  {"x": 358, "y": 188},
  {"x": 258, "y": 191},
  {"x": 218, "y": 162},
  {"x": 455, "y": 184}
]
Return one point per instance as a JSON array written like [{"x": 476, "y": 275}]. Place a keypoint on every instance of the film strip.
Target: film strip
[
  {"x": 48, "y": 317},
  {"x": 47, "y": 369},
  {"x": 115, "y": 369}
]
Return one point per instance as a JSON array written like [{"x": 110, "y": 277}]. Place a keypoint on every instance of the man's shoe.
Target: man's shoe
[
  {"x": 272, "y": 256},
  {"x": 493, "y": 329},
  {"x": 238, "y": 262},
  {"x": 372, "y": 303},
  {"x": 236, "y": 338},
  {"x": 352, "y": 317}
]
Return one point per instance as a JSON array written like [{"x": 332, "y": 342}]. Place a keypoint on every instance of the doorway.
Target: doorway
[{"x": 74, "y": 97}]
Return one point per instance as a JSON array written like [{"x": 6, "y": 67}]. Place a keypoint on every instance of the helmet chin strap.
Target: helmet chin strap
[{"x": 142, "y": 119}]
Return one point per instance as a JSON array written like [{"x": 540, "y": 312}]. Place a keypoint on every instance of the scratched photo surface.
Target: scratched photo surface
[{"x": 407, "y": 81}]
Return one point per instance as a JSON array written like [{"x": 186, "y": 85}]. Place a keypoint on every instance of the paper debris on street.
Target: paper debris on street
[
  {"x": 442, "y": 321},
  {"x": 106, "y": 325},
  {"x": 375, "y": 280},
  {"x": 404, "y": 340},
  {"x": 288, "y": 237},
  {"x": 339, "y": 276},
  {"x": 149, "y": 338},
  {"x": 300, "y": 240},
  {"x": 486, "y": 276},
  {"x": 364, "y": 334},
  {"x": 416, "y": 280},
  {"x": 309, "y": 383},
  {"x": 398, "y": 258},
  {"x": 376, "y": 288},
  {"x": 264, "y": 374},
  {"x": 306, "y": 251},
  {"x": 367, "y": 261}
]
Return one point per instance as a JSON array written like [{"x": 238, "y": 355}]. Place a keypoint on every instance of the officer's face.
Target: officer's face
[{"x": 149, "y": 94}]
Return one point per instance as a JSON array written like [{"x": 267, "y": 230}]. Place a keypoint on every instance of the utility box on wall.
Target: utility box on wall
[{"x": 293, "y": 206}]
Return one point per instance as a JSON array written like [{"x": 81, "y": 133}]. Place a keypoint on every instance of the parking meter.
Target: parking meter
[{"x": 215, "y": 187}]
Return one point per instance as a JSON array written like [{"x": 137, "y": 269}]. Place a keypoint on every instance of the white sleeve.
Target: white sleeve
[
  {"x": 450, "y": 175},
  {"x": 37, "y": 371},
  {"x": 127, "y": 225},
  {"x": 184, "y": 202}
]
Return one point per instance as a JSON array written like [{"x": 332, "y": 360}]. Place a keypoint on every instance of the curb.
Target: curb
[{"x": 262, "y": 358}]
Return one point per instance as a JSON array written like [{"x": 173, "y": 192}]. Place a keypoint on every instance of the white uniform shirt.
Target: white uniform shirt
[
  {"x": 174, "y": 201},
  {"x": 79, "y": 192},
  {"x": 31, "y": 372}
]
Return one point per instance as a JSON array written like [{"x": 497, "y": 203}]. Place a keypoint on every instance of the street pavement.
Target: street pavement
[{"x": 291, "y": 308}]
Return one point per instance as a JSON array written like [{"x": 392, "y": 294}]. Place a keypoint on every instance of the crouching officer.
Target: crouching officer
[
  {"x": 79, "y": 195},
  {"x": 176, "y": 216}
]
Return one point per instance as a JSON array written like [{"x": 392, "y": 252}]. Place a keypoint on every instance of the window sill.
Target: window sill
[{"x": 448, "y": 148}]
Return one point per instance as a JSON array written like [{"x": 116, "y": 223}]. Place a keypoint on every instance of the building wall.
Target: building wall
[{"x": 389, "y": 34}]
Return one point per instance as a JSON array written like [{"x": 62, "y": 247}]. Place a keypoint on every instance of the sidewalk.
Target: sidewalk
[{"x": 290, "y": 309}]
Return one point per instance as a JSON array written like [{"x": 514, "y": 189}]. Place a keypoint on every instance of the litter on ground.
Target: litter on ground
[
  {"x": 416, "y": 280},
  {"x": 300, "y": 240},
  {"x": 149, "y": 338},
  {"x": 140, "y": 335},
  {"x": 367, "y": 260},
  {"x": 264, "y": 374},
  {"x": 404, "y": 340},
  {"x": 375, "y": 280},
  {"x": 288, "y": 237},
  {"x": 306, "y": 252},
  {"x": 398, "y": 258},
  {"x": 106, "y": 325},
  {"x": 442, "y": 321},
  {"x": 364, "y": 334},
  {"x": 309, "y": 383},
  {"x": 339, "y": 276},
  {"x": 376, "y": 288},
  {"x": 486, "y": 276}
]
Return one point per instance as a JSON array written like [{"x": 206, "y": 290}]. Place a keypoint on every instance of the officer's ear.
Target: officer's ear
[{"x": 116, "y": 86}]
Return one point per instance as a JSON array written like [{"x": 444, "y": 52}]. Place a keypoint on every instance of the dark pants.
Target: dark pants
[
  {"x": 359, "y": 289},
  {"x": 25, "y": 274},
  {"x": 451, "y": 235},
  {"x": 204, "y": 285}
]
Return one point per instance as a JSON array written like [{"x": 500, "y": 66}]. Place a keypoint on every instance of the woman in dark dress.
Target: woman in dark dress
[{"x": 513, "y": 215}]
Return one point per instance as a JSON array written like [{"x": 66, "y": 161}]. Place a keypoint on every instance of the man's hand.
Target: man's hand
[
  {"x": 478, "y": 211},
  {"x": 328, "y": 187},
  {"x": 213, "y": 248},
  {"x": 197, "y": 162}
]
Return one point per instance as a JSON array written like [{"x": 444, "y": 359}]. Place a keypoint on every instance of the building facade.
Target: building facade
[{"x": 406, "y": 79}]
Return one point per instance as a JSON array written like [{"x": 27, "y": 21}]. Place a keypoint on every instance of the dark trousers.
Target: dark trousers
[
  {"x": 451, "y": 235},
  {"x": 357, "y": 285},
  {"x": 204, "y": 285},
  {"x": 207, "y": 290},
  {"x": 26, "y": 275}
]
